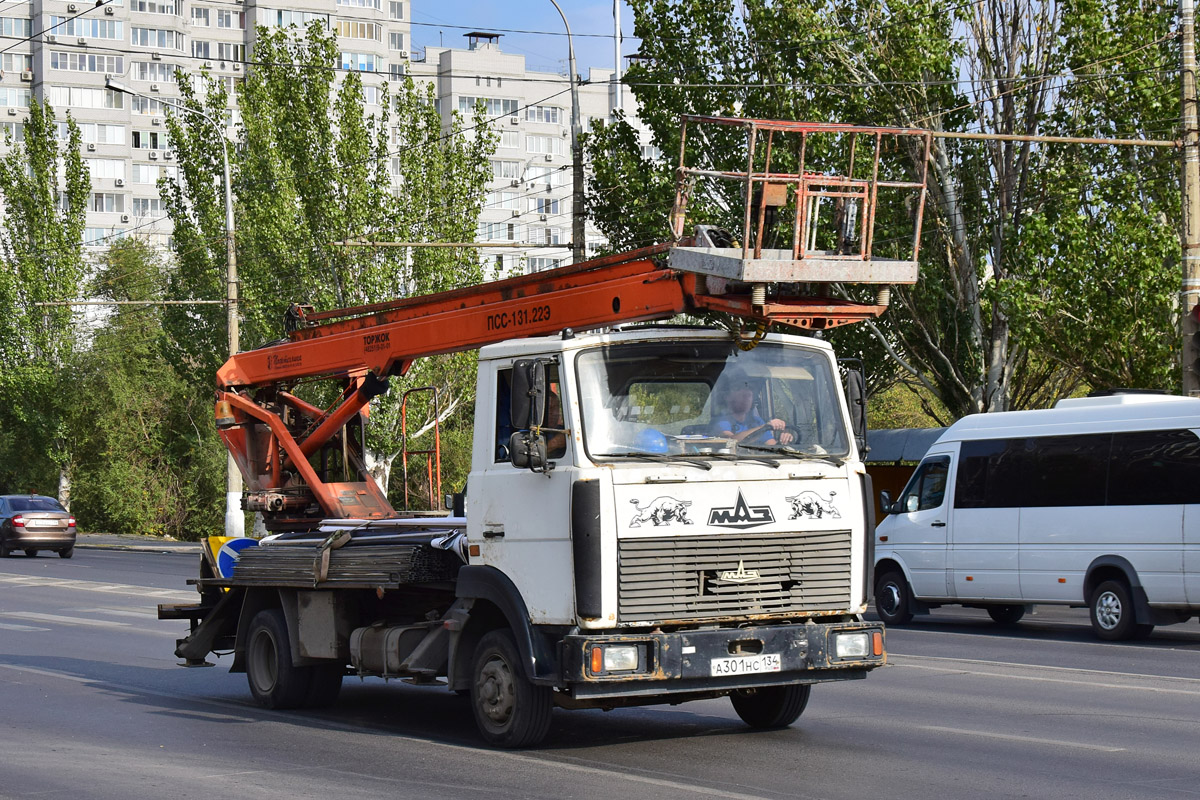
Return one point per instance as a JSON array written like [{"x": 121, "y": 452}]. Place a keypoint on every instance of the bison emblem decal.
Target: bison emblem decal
[
  {"x": 661, "y": 511},
  {"x": 812, "y": 506}
]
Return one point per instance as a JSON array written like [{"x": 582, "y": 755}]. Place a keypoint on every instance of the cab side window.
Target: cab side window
[
  {"x": 927, "y": 487},
  {"x": 552, "y": 417}
]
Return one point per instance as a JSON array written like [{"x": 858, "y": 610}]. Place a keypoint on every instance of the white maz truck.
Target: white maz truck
[
  {"x": 1095, "y": 502},
  {"x": 654, "y": 514}
]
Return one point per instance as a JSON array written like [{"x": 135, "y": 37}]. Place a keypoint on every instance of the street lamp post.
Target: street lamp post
[
  {"x": 235, "y": 524},
  {"x": 578, "y": 233}
]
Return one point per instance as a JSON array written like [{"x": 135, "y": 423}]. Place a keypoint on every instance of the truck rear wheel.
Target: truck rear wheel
[
  {"x": 771, "y": 706},
  {"x": 510, "y": 711},
  {"x": 274, "y": 681}
]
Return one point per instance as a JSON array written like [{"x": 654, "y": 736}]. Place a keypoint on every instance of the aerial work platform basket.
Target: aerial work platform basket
[{"x": 828, "y": 197}]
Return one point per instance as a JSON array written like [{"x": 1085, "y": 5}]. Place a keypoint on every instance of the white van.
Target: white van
[{"x": 1095, "y": 502}]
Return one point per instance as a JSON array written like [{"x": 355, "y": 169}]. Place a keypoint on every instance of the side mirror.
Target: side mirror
[
  {"x": 856, "y": 398},
  {"x": 885, "y": 502},
  {"x": 528, "y": 451},
  {"x": 528, "y": 394}
]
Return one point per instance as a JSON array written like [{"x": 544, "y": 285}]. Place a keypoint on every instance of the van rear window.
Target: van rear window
[{"x": 1154, "y": 468}]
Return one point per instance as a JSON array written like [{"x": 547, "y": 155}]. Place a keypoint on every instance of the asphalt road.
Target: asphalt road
[{"x": 94, "y": 706}]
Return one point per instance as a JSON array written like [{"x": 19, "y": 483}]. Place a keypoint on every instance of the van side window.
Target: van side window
[
  {"x": 1034, "y": 472},
  {"x": 1154, "y": 468},
  {"x": 927, "y": 487}
]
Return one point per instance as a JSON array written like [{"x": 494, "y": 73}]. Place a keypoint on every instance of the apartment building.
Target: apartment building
[
  {"x": 77, "y": 47},
  {"x": 528, "y": 210}
]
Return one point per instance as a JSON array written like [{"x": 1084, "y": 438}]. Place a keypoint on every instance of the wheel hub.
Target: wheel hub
[
  {"x": 496, "y": 693},
  {"x": 1108, "y": 611},
  {"x": 890, "y": 599}
]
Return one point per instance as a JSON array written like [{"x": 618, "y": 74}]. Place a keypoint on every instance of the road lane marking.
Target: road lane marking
[
  {"x": 1081, "y": 681},
  {"x": 96, "y": 586},
  {"x": 5, "y": 626},
  {"x": 49, "y": 673},
  {"x": 1008, "y": 737},
  {"x": 64, "y": 620}
]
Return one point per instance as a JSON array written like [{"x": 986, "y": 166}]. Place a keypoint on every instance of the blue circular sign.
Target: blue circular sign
[{"x": 228, "y": 555}]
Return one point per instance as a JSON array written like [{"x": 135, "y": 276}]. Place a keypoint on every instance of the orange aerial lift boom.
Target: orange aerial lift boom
[{"x": 273, "y": 434}]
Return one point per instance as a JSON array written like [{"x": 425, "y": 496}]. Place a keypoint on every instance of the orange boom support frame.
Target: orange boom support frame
[{"x": 275, "y": 436}]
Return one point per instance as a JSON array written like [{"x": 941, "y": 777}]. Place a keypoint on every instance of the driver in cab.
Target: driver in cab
[{"x": 741, "y": 422}]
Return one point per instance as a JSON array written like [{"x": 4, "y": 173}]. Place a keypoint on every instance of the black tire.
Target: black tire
[
  {"x": 70, "y": 551},
  {"x": 771, "y": 706},
  {"x": 325, "y": 684},
  {"x": 4, "y": 550},
  {"x": 1006, "y": 615},
  {"x": 31, "y": 552},
  {"x": 1111, "y": 610},
  {"x": 893, "y": 598},
  {"x": 274, "y": 681},
  {"x": 509, "y": 710}
]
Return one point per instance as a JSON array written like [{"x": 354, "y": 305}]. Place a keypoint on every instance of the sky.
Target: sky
[{"x": 443, "y": 23}]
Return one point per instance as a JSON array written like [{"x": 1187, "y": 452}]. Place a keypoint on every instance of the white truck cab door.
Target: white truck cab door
[
  {"x": 917, "y": 529},
  {"x": 519, "y": 518}
]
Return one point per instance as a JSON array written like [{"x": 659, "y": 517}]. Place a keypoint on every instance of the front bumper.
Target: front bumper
[{"x": 681, "y": 662}]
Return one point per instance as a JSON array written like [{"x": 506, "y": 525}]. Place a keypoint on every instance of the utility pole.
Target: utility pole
[
  {"x": 617, "y": 55},
  {"x": 578, "y": 231},
  {"x": 235, "y": 521},
  {"x": 1190, "y": 294}
]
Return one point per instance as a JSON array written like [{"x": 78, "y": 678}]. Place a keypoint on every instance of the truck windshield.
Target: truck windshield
[{"x": 698, "y": 398}]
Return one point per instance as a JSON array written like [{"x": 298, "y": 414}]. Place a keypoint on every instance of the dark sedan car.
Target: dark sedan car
[{"x": 31, "y": 523}]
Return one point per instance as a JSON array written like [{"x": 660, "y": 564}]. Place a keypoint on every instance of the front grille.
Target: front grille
[{"x": 680, "y": 579}]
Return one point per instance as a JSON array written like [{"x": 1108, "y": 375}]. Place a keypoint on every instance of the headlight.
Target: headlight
[
  {"x": 620, "y": 659},
  {"x": 852, "y": 645}
]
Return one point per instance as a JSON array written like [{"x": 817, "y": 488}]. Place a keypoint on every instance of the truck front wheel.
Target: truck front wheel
[
  {"x": 274, "y": 681},
  {"x": 509, "y": 710},
  {"x": 771, "y": 706}
]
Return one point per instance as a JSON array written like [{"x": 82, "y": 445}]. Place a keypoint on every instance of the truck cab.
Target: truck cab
[{"x": 706, "y": 560}]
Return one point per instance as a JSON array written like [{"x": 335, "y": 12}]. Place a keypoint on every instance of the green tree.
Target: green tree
[
  {"x": 148, "y": 457},
  {"x": 1016, "y": 234},
  {"x": 312, "y": 169},
  {"x": 44, "y": 190}
]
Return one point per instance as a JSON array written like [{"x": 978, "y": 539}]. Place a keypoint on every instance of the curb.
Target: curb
[{"x": 142, "y": 548}]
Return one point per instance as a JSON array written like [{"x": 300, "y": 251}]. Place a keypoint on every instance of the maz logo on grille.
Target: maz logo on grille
[{"x": 741, "y": 516}]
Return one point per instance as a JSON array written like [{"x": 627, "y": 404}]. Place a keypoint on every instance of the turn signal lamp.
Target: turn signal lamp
[
  {"x": 70, "y": 522},
  {"x": 18, "y": 521}
]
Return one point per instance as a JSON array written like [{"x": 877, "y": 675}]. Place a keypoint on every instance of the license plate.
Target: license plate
[
  {"x": 747, "y": 665},
  {"x": 48, "y": 523}
]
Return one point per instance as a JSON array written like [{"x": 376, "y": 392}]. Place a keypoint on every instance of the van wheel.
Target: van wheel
[
  {"x": 274, "y": 681},
  {"x": 510, "y": 711},
  {"x": 1006, "y": 615},
  {"x": 893, "y": 600},
  {"x": 31, "y": 552},
  {"x": 1111, "y": 608},
  {"x": 771, "y": 706}
]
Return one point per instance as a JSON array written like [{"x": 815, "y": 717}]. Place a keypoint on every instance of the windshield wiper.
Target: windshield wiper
[
  {"x": 770, "y": 462},
  {"x": 791, "y": 451},
  {"x": 659, "y": 458}
]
